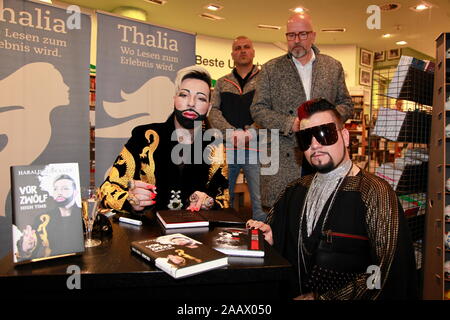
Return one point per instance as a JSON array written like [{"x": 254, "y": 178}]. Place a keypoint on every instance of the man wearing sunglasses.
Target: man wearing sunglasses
[
  {"x": 284, "y": 84},
  {"x": 343, "y": 229}
]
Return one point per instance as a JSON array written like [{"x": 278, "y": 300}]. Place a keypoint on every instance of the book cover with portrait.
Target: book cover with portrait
[
  {"x": 46, "y": 202},
  {"x": 179, "y": 255},
  {"x": 237, "y": 241}
]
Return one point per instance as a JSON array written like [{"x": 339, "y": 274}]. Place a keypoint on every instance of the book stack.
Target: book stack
[{"x": 179, "y": 255}]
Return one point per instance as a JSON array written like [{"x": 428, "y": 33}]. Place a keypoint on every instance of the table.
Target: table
[{"x": 111, "y": 270}]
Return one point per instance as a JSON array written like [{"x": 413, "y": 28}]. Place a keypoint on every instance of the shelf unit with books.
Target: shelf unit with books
[
  {"x": 437, "y": 253},
  {"x": 398, "y": 142},
  {"x": 356, "y": 126}
]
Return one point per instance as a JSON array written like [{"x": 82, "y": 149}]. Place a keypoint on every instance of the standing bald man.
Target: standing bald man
[
  {"x": 231, "y": 102},
  {"x": 284, "y": 84}
]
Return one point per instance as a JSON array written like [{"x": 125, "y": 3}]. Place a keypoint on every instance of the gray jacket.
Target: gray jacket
[{"x": 279, "y": 92}]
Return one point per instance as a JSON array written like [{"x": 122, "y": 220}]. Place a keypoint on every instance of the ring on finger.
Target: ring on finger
[
  {"x": 193, "y": 197},
  {"x": 208, "y": 203},
  {"x": 131, "y": 184},
  {"x": 133, "y": 200}
]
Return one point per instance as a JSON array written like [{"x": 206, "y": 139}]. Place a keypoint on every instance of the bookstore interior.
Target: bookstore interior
[{"x": 119, "y": 60}]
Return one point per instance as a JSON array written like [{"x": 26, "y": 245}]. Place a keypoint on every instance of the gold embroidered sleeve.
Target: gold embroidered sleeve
[
  {"x": 382, "y": 220},
  {"x": 114, "y": 191},
  {"x": 216, "y": 158}
]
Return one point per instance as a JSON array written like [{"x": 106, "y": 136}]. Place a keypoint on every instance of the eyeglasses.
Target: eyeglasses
[
  {"x": 302, "y": 35},
  {"x": 325, "y": 134}
]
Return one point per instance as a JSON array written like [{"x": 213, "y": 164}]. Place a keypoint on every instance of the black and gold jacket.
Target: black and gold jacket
[
  {"x": 147, "y": 156},
  {"x": 366, "y": 227}
]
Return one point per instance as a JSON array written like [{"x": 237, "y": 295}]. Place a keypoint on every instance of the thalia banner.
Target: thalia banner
[
  {"x": 136, "y": 67},
  {"x": 44, "y": 88}
]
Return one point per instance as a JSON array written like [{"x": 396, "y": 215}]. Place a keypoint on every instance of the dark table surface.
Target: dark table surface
[{"x": 112, "y": 270}]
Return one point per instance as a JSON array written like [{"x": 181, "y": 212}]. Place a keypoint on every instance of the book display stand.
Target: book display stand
[{"x": 398, "y": 143}]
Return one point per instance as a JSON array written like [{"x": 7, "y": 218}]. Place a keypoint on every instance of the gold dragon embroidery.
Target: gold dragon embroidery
[{"x": 148, "y": 167}]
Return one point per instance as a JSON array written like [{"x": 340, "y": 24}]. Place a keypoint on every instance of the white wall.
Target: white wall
[{"x": 347, "y": 55}]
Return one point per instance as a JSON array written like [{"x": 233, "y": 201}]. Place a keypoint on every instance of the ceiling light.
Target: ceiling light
[
  {"x": 333, "y": 30},
  {"x": 213, "y": 7},
  {"x": 158, "y": 2},
  {"x": 47, "y": 1},
  {"x": 386, "y": 35},
  {"x": 401, "y": 43},
  {"x": 298, "y": 9},
  {"x": 266, "y": 26},
  {"x": 211, "y": 16},
  {"x": 421, "y": 7},
  {"x": 131, "y": 12}
]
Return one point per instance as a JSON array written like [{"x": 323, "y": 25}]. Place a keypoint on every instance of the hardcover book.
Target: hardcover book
[
  {"x": 237, "y": 241},
  {"x": 179, "y": 255},
  {"x": 47, "y": 220},
  {"x": 203, "y": 218},
  {"x": 412, "y": 80}
]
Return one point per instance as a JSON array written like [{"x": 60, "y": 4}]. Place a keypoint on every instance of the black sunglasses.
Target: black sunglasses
[{"x": 325, "y": 134}]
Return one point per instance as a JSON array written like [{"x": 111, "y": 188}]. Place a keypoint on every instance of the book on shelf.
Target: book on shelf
[
  {"x": 399, "y": 126},
  {"x": 237, "y": 241},
  {"x": 178, "y": 255},
  {"x": 413, "y": 80},
  {"x": 46, "y": 205},
  {"x": 203, "y": 218}
]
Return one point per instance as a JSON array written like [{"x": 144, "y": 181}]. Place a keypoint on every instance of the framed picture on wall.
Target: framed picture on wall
[
  {"x": 393, "y": 54},
  {"x": 365, "y": 77},
  {"x": 379, "y": 56},
  {"x": 366, "y": 58}
]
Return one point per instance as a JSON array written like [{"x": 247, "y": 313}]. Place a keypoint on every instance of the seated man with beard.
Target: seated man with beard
[
  {"x": 162, "y": 165},
  {"x": 341, "y": 224}
]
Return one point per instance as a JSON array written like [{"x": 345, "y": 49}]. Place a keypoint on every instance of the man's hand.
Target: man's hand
[
  {"x": 308, "y": 296},
  {"x": 141, "y": 194},
  {"x": 240, "y": 138},
  {"x": 200, "y": 200},
  {"x": 265, "y": 228}
]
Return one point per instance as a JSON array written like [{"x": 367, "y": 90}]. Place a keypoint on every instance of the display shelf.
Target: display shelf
[
  {"x": 436, "y": 283},
  {"x": 398, "y": 144},
  {"x": 356, "y": 127}
]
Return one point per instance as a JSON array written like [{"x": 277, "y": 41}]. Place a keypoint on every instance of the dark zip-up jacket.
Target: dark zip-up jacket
[{"x": 231, "y": 103}]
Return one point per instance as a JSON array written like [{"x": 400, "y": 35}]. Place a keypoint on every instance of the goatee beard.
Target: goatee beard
[
  {"x": 298, "y": 52},
  {"x": 188, "y": 123},
  {"x": 326, "y": 168}
]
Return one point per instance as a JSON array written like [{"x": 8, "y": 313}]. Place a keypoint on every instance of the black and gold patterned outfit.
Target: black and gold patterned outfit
[
  {"x": 147, "y": 156},
  {"x": 365, "y": 226}
]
